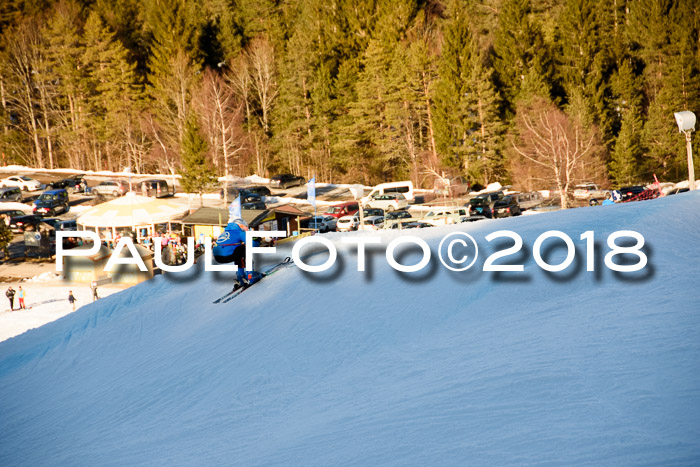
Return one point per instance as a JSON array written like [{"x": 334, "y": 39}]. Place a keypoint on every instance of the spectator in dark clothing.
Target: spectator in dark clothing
[
  {"x": 11, "y": 296},
  {"x": 71, "y": 299}
]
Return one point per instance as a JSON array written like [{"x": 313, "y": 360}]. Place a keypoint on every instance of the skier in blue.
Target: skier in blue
[{"x": 230, "y": 248}]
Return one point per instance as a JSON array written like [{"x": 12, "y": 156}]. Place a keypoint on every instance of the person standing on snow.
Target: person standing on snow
[
  {"x": 93, "y": 287},
  {"x": 230, "y": 248},
  {"x": 21, "y": 295},
  {"x": 71, "y": 299},
  {"x": 11, "y": 296}
]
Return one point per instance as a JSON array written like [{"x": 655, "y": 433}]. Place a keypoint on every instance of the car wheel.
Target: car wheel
[
  {"x": 24, "y": 188},
  {"x": 593, "y": 202},
  {"x": 390, "y": 208},
  {"x": 115, "y": 193}
]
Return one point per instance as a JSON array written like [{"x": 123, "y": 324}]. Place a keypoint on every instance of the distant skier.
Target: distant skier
[
  {"x": 230, "y": 248},
  {"x": 11, "y": 296}
]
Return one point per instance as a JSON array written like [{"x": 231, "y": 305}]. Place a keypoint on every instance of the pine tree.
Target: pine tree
[
  {"x": 624, "y": 162},
  {"x": 583, "y": 59},
  {"x": 520, "y": 50},
  {"x": 467, "y": 111},
  {"x": 196, "y": 173},
  {"x": 663, "y": 32},
  {"x": 115, "y": 91}
]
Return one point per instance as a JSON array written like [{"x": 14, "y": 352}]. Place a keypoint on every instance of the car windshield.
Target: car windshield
[
  {"x": 478, "y": 201},
  {"x": 25, "y": 178},
  {"x": 47, "y": 197}
]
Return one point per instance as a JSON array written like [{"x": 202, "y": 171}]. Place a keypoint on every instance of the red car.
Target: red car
[{"x": 344, "y": 209}]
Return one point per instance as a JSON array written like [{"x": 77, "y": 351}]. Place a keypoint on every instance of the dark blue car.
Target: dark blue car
[{"x": 51, "y": 203}]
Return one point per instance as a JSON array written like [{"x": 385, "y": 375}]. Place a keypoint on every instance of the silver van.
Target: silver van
[
  {"x": 11, "y": 193},
  {"x": 157, "y": 188}
]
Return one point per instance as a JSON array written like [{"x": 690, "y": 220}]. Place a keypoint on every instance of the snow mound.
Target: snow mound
[{"x": 380, "y": 367}]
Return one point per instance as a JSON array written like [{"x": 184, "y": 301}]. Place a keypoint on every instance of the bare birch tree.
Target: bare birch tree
[
  {"x": 555, "y": 149},
  {"x": 220, "y": 113}
]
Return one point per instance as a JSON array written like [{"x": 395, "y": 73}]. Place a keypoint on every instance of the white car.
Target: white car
[
  {"x": 21, "y": 181},
  {"x": 388, "y": 202},
  {"x": 446, "y": 216},
  {"x": 323, "y": 223},
  {"x": 373, "y": 223},
  {"x": 348, "y": 223}
]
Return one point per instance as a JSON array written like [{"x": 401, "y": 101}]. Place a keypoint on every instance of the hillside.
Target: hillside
[{"x": 378, "y": 367}]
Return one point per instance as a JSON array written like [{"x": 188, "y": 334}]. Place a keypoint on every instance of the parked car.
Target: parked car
[
  {"x": 587, "y": 191},
  {"x": 348, "y": 223},
  {"x": 9, "y": 194},
  {"x": 259, "y": 190},
  {"x": 286, "y": 180},
  {"x": 396, "y": 217},
  {"x": 246, "y": 196},
  {"x": 322, "y": 224},
  {"x": 675, "y": 191},
  {"x": 372, "y": 223},
  {"x": 67, "y": 224},
  {"x": 74, "y": 184},
  {"x": 388, "y": 202},
  {"x": 9, "y": 215},
  {"x": 254, "y": 205},
  {"x": 411, "y": 225},
  {"x": 52, "y": 221},
  {"x": 21, "y": 181},
  {"x": 51, "y": 202},
  {"x": 157, "y": 188},
  {"x": 482, "y": 205},
  {"x": 369, "y": 212},
  {"x": 343, "y": 209},
  {"x": 529, "y": 200},
  {"x": 12, "y": 213},
  {"x": 110, "y": 187},
  {"x": 443, "y": 216},
  {"x": 506, "y": 207},
  {"x": 27, "y": 222},
  {"x": 629, "y": 192}
]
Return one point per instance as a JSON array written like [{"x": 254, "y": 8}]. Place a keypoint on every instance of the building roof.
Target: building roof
[
  {"x": 219, "y": 216},
  {"x": 130, "y": 211}
]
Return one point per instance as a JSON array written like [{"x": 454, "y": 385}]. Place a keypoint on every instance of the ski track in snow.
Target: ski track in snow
[{"x": 355, "y": 368}]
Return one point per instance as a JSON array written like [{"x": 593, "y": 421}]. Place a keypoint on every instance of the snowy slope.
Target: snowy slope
[{"x": 377, "y": 367}]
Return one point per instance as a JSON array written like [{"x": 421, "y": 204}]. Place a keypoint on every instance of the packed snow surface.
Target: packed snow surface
[{"x": 381, "y": 367}]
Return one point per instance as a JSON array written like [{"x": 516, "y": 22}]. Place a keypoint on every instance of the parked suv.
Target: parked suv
[
  {"x": 286, "y": 180},
  {"x": 482, "y": 205},
  {"x": 388, "y": 202},
  {"x": 157, "y": 188},
  {"x": 51, "y": 202},
  {"x": 110, "y": 187},
  {"x": 10, "y": 194},
  {"x": 74, "y": 184},
  {"x": 506, "y": 207}
]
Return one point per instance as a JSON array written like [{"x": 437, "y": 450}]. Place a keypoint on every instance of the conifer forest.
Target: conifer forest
[{"x": 533, "y": 93}]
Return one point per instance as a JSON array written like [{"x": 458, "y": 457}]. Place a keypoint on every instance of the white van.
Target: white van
[{"x": 405, "y": 188}]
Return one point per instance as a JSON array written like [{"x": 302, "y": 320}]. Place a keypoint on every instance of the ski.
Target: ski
[{"x": 237, "y": 290}]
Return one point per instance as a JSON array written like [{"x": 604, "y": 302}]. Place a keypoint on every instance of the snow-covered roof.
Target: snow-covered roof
[{"x": 131, "y": 210}]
